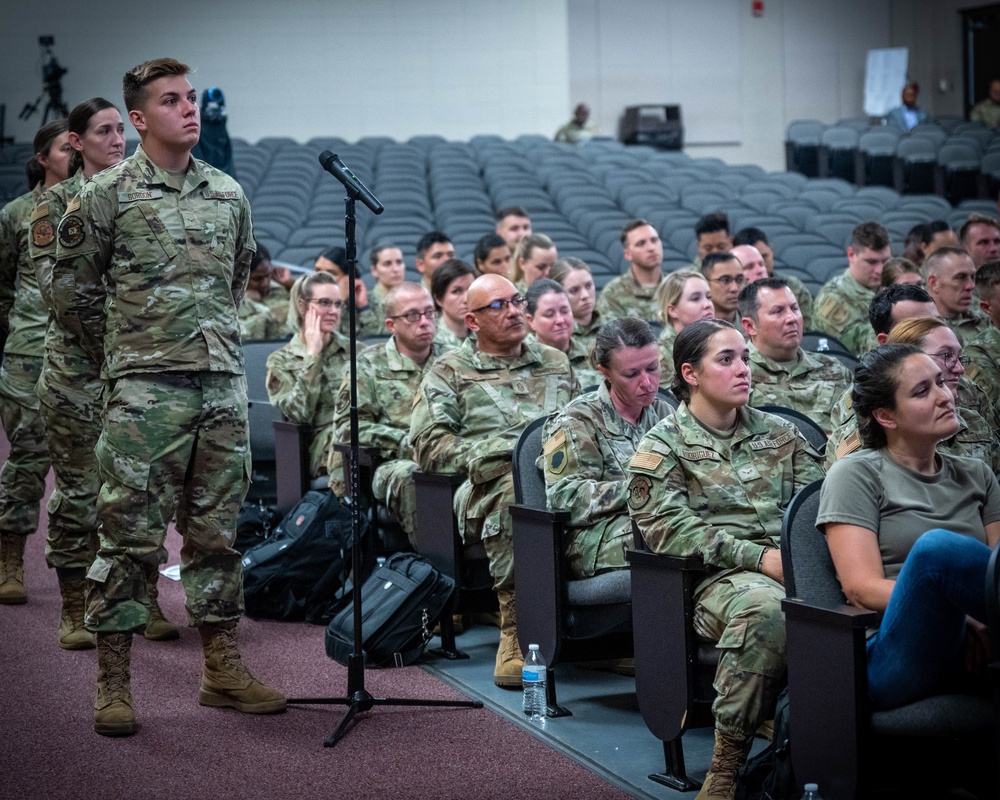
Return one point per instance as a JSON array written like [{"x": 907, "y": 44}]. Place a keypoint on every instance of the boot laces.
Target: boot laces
[
  {"x": 231, "y": 661},
  {"x": 116, "y": 677},
  {"x": 729, "y": 756}
]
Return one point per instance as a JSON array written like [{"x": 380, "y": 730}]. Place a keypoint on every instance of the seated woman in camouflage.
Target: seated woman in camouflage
[
  {"x": 589, "y": 443},
  {"x": 303, "y": 376},
  {"x": 713, "y": 480},
  {"x": 532, "y": 258},
  {"x": 574, "y": 276},
  {"x": 683, "y": 298},
  {"x": 550, "y": 318},
  {"x": 910, "y": 528},
  {"x": 974, "y": 438},
  {"x": 449, "y": 286}
]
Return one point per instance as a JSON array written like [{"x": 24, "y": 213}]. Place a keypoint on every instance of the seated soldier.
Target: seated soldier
[
  {"x": 984, "y": 350},
  {"x": 634, "y": 293},
  {"x": 684, "y": 297},
  {"x": 841, "y": 307},
  {"x": 712, "y": 236},
  {"x": 433, "y": 249},
  {"x": 951, "y": 283},
  {"x": 388, "y": 377},
  {"x": 575, "y": 277},
  {"x": 472, "y": 405},
  {"x": 389, "y": 269},
  {"x": 724, "y": 274},
  {"x": 450, "y": 288},
  {"x": 333, "y": 261},
  {"x": 303, "y": 376},
  {"x": 757, "y": 238},
  {"x": 550, "y": 319},
  {"x": 589, "y": 444},
  {"x": 531, "y": 259},
  {"x": 258, "y": 320},
  {"x": 513, "y": 224},
  {"x": 783, "y": 373},
  {"x": 492, "y": 255}
]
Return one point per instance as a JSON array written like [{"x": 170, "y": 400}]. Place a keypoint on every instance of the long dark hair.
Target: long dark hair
[
  {"x": 876, "y": 379},
  {"x": 689, "y": 348},
  {"x": 33, "y": 171}
]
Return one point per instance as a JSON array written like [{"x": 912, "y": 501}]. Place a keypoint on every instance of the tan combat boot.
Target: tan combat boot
[
  {"x": 507, "y": 673},
  {"x": 158, "y": 628},
  {"x": 225, "y": 681},
  {"x": 728, "y": 756},
  {"x": 12, "y": 569},
  {"x": 113, "y": 715},
  {"x": 72, "y": 634}
]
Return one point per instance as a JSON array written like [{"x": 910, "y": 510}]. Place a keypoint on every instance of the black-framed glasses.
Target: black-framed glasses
[
  {"x": 501, "y": 305},
  {"x": 951, "y": 359},
  {"x": 414, "y": 316},
  {"x": 729, "y": 280},
  {"x": 327, "y": 303}
]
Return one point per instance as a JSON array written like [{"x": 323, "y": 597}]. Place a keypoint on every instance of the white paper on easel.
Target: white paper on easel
[{"x": 885, "y": 77}]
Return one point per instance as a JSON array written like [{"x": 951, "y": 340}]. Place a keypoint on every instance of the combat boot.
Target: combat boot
[
  {"x": 12, "y": 569},
  {"x": 72, "y": 634},
  {"x": 158, "y": 628},
  {"x": 507, "y": 673},
  {"x": 728, "y": 756},
  {"x": 225, "y": 681},
  {"x": 113, "y": 715}
]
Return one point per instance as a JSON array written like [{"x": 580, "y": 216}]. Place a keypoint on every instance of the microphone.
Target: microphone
[{"x": 331, "y": 163}]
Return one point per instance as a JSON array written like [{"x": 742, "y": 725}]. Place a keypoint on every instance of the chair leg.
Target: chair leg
[
  {"x": 448, "y": 648},
  {"x": 552, "y": 707},
  {"x": 675, "y": 774}
]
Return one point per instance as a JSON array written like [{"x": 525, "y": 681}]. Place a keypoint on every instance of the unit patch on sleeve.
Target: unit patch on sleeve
[
  {"x": 71, "y": 232},
  {"x": 42, "y": 233}
]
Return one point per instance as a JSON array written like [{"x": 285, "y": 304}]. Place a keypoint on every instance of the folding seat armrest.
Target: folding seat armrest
[
  {"x": 291, "y": 455},
  {"x": 437, "y": 536}
]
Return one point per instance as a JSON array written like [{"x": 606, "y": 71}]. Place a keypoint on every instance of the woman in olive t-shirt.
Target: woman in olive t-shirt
[{"x": 910, "y": 529}]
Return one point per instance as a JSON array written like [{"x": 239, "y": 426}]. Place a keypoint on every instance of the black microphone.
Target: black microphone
[{"x": 331, "y": 163}]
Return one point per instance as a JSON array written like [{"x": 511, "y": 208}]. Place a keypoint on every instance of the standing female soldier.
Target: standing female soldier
[
  {"x": 713, "y": 480},
  {"x": 23, "y": 317}
]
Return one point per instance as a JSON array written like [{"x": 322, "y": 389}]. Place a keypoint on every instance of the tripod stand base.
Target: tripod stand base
[{"x": 361, "y": 700}]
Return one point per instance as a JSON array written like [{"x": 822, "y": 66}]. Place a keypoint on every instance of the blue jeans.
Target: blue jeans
[{"x": 923, "y": 628}]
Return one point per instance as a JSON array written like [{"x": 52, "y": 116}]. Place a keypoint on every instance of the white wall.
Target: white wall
[{"x": 312, "y": 67}]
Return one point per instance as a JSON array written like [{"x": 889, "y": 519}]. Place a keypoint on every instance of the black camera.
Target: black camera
[{"x": 46, "y": 41}]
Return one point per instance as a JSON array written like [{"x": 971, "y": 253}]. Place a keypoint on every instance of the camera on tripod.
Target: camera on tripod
[{"x": 52, "y": 74}]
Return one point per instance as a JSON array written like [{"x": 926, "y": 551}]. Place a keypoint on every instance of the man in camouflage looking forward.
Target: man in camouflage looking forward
[{"x": 156, "y": 252}]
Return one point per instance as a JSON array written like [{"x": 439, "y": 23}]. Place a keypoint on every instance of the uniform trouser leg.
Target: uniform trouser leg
[
  {"x": 599, "y": 548},
  {"x": 22, "y": 477},
  {"x": 72, "y": 507},
  {"x": 392, "y": 485},
  {"x": 487, "y": 512},
  {"x": 174, "y": 443},
  {"x": 742, "y": 612}
]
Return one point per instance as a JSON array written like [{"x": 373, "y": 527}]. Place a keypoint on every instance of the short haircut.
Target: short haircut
[
  {"x": 538, "y": 290},
  {"x": 628, "y": 227},
  {"x": 428, "y": 240},
  {"x": 750, "y": 236},
  {"x": 987, "y": 280},
  {"x": 446, "y": 273},
  {"x": 712, "y": 223},
  {"x": 881, "y": 305},
  {"x": 379, "y": 248},
  {"x": 708, "y": 262},
  {"x": 139, "y": 77},
  {"x": 689, "y": 348},
  {"x": 932, "y": 264},
  {"x": 511, "y": 211},
  {"x": 876, "y": 379},
  {"x": 869, "y": 235},
  {"x": 749, "y": 299},
  {"x": 262, "y": 255},
  {"x": 617, "y": 335},
  {"x": 976, "y": 219},
  {"x": 931, "y": 229},
  {"x": 391, "y": 302},
  {"x": 564, "y": 266},
  {"x": 490, "y": 241}
]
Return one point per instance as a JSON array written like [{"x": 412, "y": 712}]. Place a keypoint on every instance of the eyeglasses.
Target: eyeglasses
[
  {"x": 413, "y": 317},
  {"x": 501, "y": 305},
  {"x": 729, "y": 280},
  {"x": 951, "y": 359},
  {"x": 327, "y": 303}
]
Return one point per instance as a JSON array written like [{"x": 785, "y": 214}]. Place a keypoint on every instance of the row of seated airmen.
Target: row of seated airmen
[{"x": 710, "y": 478}]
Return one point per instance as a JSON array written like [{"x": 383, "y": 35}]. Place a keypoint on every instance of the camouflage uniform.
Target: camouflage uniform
[
  {"x": 586, "y": 374},
  {"x": 984, "y": 367},
  {"x": 376, "y": 302},
  {"x": 469, "y": 411},
  {"x": 444, "y": 336},
  {"x": 968, "y": 325},
  {"x": 257, "y": 321},
  {"x": 71, "y": 395},
  {"x": 624, "y": 297},
  {"x": 304, "y": 388},
  {"x": 841, "y": 310},
  {"x": 587, "y": 448},
  {"x": 23, "y": 316},
  {"x": 804, "y": 298},
  {"x": 694, "y": 493},
  {"x": 277, "y": 302},
  {"x": 588, "y": 333},
  {"x": 813, "y": 384},
  {"x": 175, "y": 254},
  {"x": 666, "y": 344},
  {"x": 368, "y": 324},
  {"x": 387, "y": 383}
]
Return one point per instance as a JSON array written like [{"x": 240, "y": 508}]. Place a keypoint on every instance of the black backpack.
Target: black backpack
[
  {"x": 768, "y": 775},
  {"x": 254, "y": 524},
  {"x": 400, "y": 603},
  {"x": 301, "y": 570}
]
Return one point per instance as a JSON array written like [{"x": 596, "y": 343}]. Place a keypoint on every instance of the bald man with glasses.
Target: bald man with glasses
[{"x": 471, "y": 407}]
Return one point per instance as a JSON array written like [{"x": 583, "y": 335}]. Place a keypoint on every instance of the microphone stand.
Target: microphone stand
[{"x": 358, "y": 699}]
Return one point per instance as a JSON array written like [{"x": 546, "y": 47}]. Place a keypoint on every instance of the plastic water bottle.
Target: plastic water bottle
[
  {"x": 811, "y": 792},
  {"x": 533, "y": 681}
]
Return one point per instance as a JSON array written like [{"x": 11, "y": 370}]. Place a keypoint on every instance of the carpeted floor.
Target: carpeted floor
[{"x": 48, "y": 748}]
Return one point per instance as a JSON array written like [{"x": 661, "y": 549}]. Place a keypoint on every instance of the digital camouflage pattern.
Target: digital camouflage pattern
[
  {"x": 71, "y": 393},
  {"x": 813, "y": 384},
  {"x": 140, "y": 495},
  {"x": 469, "y": 411},
  {"x": 692, "y": 493},
  {"x": 588, "y": 446},
  {"x": 22, "y": 476},
  {"x": 968, "y": 325},
  {"x": 22, "y": 312},
  {"x": 445, "y": 337},
  {"x": 983, "y": 369},
  {"x": 666, "y": 346},
  {"x": 624, "y": 297},
  {"x": 804, "y": 298},
  {"x": 387, "y": 384},
  {"x": 841, "y": 310},
  {"x": 304, "y": 388},
  {"x": 586, "y": 374},
  {"x": 178, "y": 261},
  {"x": 586, "y": 334}
]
